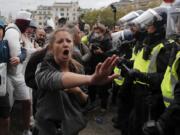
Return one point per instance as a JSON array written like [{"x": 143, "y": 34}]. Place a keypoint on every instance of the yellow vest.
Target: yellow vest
[
  {"x": 120, "y": 80},
  {"x": 147, "y": 66},
  {"x": 84, "y": 40},
  {"x": 169, "y": 81},
  {"x": 133, "y": 57}
]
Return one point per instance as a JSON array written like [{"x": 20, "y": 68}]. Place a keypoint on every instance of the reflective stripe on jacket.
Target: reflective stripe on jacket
[
  {"x": 147, "y": 66},
  {"x": 169, "y": 81},
  {"x": 120, "y": 80}
]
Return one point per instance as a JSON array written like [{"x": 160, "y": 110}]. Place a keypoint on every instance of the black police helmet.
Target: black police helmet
[{"x": 162, "y": 12}]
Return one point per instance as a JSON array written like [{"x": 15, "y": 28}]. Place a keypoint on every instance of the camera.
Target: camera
[
  {"x": 95, "y": 46},
  {"x": 95, "y": 42}
]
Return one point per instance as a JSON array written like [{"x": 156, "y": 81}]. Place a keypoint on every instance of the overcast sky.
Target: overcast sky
[{"x": 12, "y": 6}]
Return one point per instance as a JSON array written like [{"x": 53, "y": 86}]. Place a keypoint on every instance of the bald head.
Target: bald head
[
  {"x": 40, "y": 33},
  {"x": 40, "y": 36}
]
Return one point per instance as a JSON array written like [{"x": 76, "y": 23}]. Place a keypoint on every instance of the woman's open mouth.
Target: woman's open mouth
[{"x": 66, "y": 52}]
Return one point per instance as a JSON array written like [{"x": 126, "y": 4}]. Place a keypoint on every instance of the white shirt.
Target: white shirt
[
  {"x": 13, "y": 36},
  {"x": 29, "y": 50}
]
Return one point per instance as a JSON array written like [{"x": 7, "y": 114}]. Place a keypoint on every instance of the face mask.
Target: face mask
[{"x": 96, "y": 35}]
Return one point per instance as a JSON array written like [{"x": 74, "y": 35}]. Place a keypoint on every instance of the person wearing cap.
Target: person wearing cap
[
  {"x": 28, "y": 42},
  {"x": 50, "y": 26},
  {"x": 31, "y": 29},
  {"x": 17, "y": 89}
]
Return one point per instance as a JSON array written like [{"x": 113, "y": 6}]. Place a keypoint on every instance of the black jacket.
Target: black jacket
[
  {"x": 162, "y": 59},
  {"x": 170, "y": 119}
]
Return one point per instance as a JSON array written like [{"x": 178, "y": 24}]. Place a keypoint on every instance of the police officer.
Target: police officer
[
  {"x": 121, "y": 85},
  {"x": 125, "y": 95},
  {"x": 148, "y": 69},
  {"x": 169, "y": 122},
  {"x": 131, "y": 37}
]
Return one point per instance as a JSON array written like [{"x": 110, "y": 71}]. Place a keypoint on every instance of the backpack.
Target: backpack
[
  {"x": 4, "y": 59},
  {"x": 4, "y": 51},
  {"x": 34, "y": 60}
]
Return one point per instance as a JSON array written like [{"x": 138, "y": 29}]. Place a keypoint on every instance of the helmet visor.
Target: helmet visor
[
  {"x": 128, "y": 17},
  {"x": 146, "y": 19}
]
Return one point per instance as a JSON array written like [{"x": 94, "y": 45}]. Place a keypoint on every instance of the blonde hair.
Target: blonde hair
[{"x": 74, "y": 65}]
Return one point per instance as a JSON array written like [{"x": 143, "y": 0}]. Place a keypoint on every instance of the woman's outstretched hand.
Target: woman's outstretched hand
[{"x": 103, "y": 71}]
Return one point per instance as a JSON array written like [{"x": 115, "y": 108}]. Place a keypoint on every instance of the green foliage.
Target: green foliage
[
  {"x": 91, "y": 17},
  {"x": 106, "y": 16}
]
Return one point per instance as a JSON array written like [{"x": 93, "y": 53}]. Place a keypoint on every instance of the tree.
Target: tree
[
  {"x": 91, "y": 17},
  {"x": 105, "y": 15}
]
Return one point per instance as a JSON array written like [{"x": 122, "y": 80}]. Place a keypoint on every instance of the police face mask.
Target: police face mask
[{"x": 173, "y": 23}]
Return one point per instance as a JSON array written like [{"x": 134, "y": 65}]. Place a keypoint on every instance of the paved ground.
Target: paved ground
[{"x": 99, "y": 123}]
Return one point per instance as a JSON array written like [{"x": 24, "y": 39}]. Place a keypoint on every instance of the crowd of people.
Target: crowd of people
[{"x": 60, "y": 74}]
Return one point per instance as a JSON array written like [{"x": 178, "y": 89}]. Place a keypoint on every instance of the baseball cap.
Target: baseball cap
[
  {"x": 2, "y": 24},
  {"x": 23, "y": 15}
]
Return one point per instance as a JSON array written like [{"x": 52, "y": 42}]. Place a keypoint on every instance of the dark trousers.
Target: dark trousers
[
  {"x": 115, "y": 91},
  {"x": 103, "y": 93},
  {"x": 142, "y": 111},
  {"x": 92, "y": 93},
  {"x": 125, "y": 104}
]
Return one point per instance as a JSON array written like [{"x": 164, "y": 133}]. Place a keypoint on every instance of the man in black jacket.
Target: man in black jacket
[{"x": 100, "y": 42}]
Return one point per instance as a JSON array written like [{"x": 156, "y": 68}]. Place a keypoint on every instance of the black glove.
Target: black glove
[
  {"x": 130, "y": 73},
  {"x": 125, "y": 61},
  {"x": 133, "y": 73},
  {"x": 152, "y": 128}
]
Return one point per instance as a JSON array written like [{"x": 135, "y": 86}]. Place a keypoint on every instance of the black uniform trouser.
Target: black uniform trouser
[
  {"x": 141, "y": 111},
  {"x": 104, "y": 94},
  {"x": 92, "y": 93},
  {"x": 125, "y": 103},
  {"x": 177, "y": 130},
  {"x": 115, "y": 91}
]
